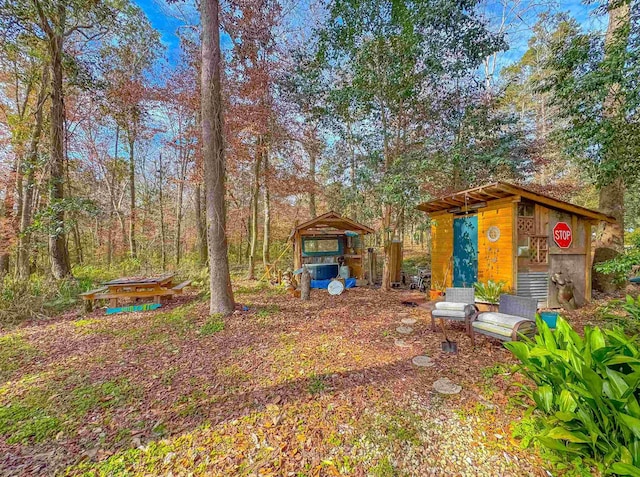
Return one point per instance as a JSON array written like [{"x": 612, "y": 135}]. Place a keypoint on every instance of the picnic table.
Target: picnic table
[{"x": 135, "y": 288}]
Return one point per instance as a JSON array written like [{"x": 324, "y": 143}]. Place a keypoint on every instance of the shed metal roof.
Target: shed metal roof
[
  {"x": 502, "y": 190},
  {"x": 330, "y": 222}
]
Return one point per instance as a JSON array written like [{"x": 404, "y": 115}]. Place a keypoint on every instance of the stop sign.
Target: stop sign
[{"x": 562, "y": 235}]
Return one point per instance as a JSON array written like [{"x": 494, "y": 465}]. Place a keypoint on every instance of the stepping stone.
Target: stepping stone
[
  {"x": 423, "y": 361},
  {"x": 401, "y": 344},
  {"x": 409, "y": 321},
  {"x": 446, "y": 386},
  {"x": 404, "y": 330}
]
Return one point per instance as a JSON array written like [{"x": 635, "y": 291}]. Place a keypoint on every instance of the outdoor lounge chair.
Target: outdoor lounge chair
[
  {"x": 516, "y": 315},
  {"x": 459, "y": 305}
]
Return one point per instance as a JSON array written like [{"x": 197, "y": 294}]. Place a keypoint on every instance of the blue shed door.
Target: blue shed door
[{"x": 465, "y": 251}]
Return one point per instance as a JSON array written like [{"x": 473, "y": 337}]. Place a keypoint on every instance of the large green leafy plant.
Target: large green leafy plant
[
  {"x": 623, "y": 265},
  {"x": 588, "y": 390}
]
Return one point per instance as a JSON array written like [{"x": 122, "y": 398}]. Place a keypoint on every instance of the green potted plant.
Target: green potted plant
[{"x": 488, "y": 294}]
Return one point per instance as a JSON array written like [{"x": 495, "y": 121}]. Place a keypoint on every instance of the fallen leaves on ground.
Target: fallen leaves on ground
[{"x": 286, "y": 388}]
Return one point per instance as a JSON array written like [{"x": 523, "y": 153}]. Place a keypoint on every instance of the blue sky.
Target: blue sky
[
  {"x": 168, "y": 19},
  {"x": 167, "y": 24}
]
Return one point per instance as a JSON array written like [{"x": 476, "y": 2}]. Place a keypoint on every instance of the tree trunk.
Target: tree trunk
[
  {"x": 610, "y": 240},
  {"x": 5, "y": 231},
  {"x": 24, "y": 238},
  {"x": 179, "y": 214},
  {"x": 386, "y": 208},
  {"x": 214, "y": 160},
  {"x": 58, "y": 251},
  {"x": 200, "y": 225},
  {"x": 77, "y": 242},
  {"x": 612, "y": 194},
  {"x": 163, "y": 240},
  {"x": 132, "y": 197},
  {"x": 312, "y": 180},
  {"x": 266, "y": 239},
  {"x": 253, "y": 238},
  {"x": 386, "y": 240},
  {"x": 109, "y": 238},
  {"x": 305, "y": 284}
]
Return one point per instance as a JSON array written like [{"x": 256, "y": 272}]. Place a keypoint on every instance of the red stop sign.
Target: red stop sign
[{"x": 562, "y": 235}]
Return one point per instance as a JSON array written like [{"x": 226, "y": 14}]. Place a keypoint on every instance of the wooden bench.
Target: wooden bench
[
  {"x": 90, "y": 296},
  {"x": 181, "y": 286},
  {"x": 114, "y": 296}
]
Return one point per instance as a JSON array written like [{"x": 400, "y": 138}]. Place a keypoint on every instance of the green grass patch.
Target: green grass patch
[
  {"x": 126, "y": 462},
  {"x": 267, "y": 311},
  {"x": 15, "y": 352},
  {"x": 491, "y": 371},
  {"x": 251, "y": 289},
  {"x": 191, "y": 404},
  {"x": 28, "y": 421},
  {"x": 179, "y": 320},
  {"x": 399, "y": 427},
  {"x": 214, "y": 324},
  {"x": 234, "y": 372},
  {"x": 39, "y": 406},
  {"x": 316, "y": 385},
  {"x": 384, "y": 468},
  {"x": 98, "y": 395}
]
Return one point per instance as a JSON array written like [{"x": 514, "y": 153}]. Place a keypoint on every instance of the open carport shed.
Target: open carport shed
[{"x": 327, "y": 237}]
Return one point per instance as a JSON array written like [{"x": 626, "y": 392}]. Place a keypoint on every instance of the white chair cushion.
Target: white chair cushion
[
  {"x": 447, "y": 305},
  {"x": 526, "y": 328},
  {"x": 500, "y": 319},
  {"x": 452, "y": 314}
]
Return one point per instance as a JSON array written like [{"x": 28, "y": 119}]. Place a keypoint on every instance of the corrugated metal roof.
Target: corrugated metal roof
[{"x": 502, "y": 190}]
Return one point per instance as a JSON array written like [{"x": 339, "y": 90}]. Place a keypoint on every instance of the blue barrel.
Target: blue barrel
[{"x": 550, "y": 318}]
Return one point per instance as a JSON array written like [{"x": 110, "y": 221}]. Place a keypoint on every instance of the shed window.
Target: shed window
[
  {"x": 321, "y": 246},
  {"x": 525, "y": 209}
]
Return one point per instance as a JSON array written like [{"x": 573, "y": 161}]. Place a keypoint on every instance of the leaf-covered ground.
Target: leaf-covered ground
[{"x": 286, "y": 388}]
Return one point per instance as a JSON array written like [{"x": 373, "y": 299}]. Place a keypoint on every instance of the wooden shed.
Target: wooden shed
[
  {"x": 327, "y": 237},
  {"x": 505, "y": 232}
]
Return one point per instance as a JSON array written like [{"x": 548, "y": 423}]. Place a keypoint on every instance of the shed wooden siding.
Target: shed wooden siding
[
  {"x": 495, "y": 258},
  {"x": 441, "y": 249},
  {"x": 571, "y": 262}
]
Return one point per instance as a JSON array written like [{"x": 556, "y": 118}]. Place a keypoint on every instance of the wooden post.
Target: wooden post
[
  {"x": 371, "y": 266},
  {"x": 305, "y": 284}
]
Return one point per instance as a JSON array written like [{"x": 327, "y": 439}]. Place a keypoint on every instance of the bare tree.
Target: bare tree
[{"x": 214, "y": 160}]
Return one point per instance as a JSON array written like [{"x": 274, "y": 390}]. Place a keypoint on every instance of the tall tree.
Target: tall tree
[
  {"x": 389, "y": 51},
  {"x": 65, "y": 29},
  {"x": 29, "y": 166},
  {"x": 214, "y": 159},
  {"x": 125, "y": 65},
  {"x": 52, "y": 18},
  {"x": 593, "y": 84}
]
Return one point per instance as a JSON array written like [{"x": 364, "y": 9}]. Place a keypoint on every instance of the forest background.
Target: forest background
[{"x": 365, "y": 107}]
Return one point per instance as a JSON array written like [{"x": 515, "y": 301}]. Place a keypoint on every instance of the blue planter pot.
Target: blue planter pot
[{"x": 550, "y": 318}]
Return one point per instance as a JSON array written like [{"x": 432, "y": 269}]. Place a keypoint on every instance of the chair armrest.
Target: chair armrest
[
  {"x": 470, "y": 309},
  {"x": 515, "y": 332},
  {"x": 473, "y": 313}
]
